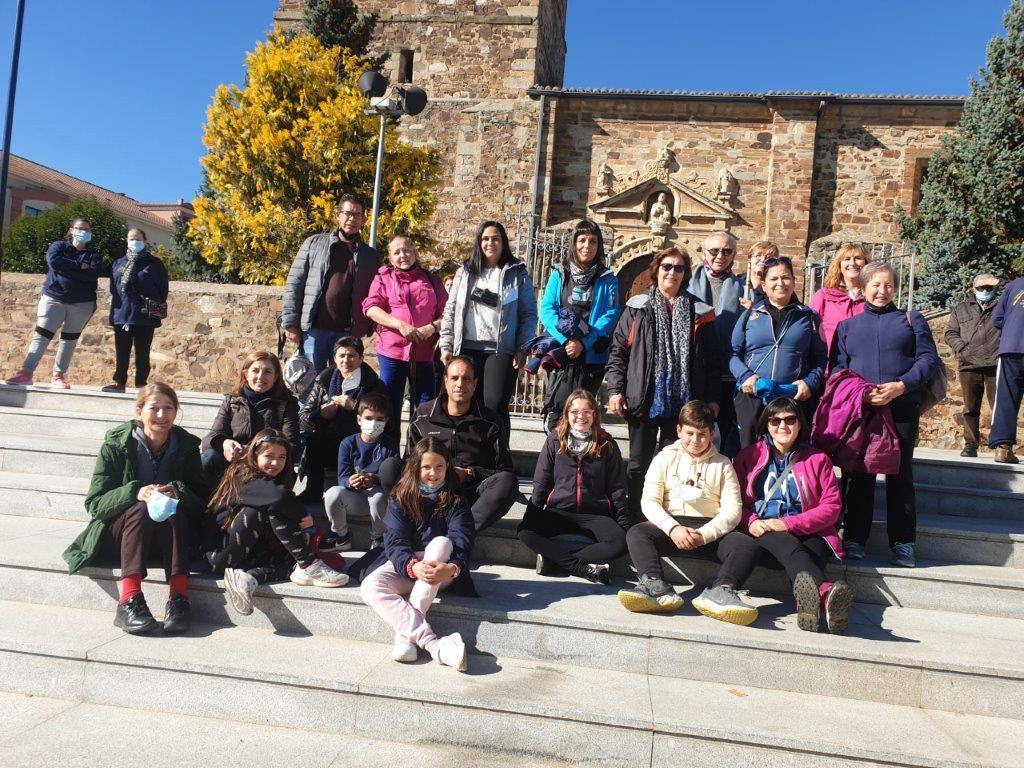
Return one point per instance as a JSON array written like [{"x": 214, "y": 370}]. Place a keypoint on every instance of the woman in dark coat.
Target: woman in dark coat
[
  {"x": 137, "y": 283},
  {"x": 664, "y": 353}
]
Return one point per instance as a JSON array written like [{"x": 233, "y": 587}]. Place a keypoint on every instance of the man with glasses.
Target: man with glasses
[
  {"x": 330, "y": 277},
  {"x": 715, "y": 284}
]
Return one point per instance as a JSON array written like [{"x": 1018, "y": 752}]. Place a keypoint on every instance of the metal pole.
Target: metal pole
[
  {"x": 15, "y": 55},
  {"x": 376, "y": 182}
]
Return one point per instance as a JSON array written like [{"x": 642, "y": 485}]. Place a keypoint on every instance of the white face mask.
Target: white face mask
[
  {"x": 372, "y": 428},
  {"x": 136, "y": 246},
  {"x": 686, "y": 493}
]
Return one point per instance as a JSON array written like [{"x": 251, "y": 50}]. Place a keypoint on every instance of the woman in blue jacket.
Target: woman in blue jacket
[
  {"x": 894, "y": 350},
  {"x": 777, "y": 351},
  {"x": 67, "y": 303},
  {"x": 579, "y": 309},
  {"x": 138, "y": 282}
]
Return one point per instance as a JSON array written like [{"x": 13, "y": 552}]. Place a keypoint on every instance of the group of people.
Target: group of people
[{"x": 733, "y": 391}]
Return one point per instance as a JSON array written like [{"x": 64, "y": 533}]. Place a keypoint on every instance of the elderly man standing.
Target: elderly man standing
[
  {"x": 715, "y": 284},
  {"x": 330, "y": 277},
  {"x": 1008, "y": 317},
  {"x": 971, "y": 335}
]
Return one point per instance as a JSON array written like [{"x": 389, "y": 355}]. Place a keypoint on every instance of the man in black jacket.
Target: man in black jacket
[
  {"x": 478, "y": 445},
  {"x": 971, "y": 335}
]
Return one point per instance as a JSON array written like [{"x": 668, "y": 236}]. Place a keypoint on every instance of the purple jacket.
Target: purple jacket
[
  {"x": 857, "y": 436},
  {"x": 819, "y": 492},
  {"x": 415, "y": 296}
]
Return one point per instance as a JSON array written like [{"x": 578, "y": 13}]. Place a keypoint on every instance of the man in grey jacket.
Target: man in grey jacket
[{"x": 330, "y": 277}]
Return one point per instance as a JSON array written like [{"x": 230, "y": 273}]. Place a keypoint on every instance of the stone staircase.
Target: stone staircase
[{"x": 931, "y": 673}]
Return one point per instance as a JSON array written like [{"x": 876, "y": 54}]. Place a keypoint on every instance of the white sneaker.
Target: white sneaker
[
  {"x": 404, "y": 651},
  {"x": 319, "y": 574},
  {"x": 239, "y": 585},
  {"x": 451, "y": 652}
]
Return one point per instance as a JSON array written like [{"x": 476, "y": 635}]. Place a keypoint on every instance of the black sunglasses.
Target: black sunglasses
[
  {"x": 680, "y": 268},
  {"x": 774, "y": 260},
  {"x": 723, "y": 251}
]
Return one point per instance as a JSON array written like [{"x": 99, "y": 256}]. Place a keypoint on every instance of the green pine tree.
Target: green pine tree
[
  {"x": 971, "y": 215},
  {"x": 339, "y": 23}
]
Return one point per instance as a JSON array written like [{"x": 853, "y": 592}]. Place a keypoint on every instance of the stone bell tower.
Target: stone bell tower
[{"x": 476, "y": 59}]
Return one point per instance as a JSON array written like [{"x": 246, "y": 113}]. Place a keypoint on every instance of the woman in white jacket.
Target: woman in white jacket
[{"x": 688, "y": 482}]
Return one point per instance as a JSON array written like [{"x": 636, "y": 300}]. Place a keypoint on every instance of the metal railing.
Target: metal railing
[{"x": 902, "y": 259}]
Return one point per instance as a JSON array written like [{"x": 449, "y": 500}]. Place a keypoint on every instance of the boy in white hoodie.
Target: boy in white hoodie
[{"x": 688, "y": 479}]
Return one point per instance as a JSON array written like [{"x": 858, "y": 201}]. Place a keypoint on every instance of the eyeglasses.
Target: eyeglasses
[
  {"x": 679, "y": 268},
  {"x": 776, "y": 421},
  {"x": 724, "y": 251},
  {"x": 580, "y": 414},
  {"x": 350, "y": 214}
]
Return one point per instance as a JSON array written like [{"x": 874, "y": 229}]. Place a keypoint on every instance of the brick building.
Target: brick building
[{"x": 795, "y": 168}]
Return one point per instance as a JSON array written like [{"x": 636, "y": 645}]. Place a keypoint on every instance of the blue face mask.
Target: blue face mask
[
  {"x": 136, "y": 246},
  {"x": 160, "y": 506},
  {"x": 81, "y": 236},
  {"x": 426, "y": 490},
  {"x": 985, "y": 296}
]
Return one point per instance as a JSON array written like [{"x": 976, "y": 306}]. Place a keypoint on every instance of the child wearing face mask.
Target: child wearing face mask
[
  {"x": 688, "y": 484},
  {"x": 359, "y": 491}
]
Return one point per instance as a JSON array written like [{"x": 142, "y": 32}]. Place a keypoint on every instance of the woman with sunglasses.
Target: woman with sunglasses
[
  {"x": 664, "y": 353},
  {"x": 579, "y": 487},
  {"x": 790, "y": 508},
  {"x": 777, "y": 351}
]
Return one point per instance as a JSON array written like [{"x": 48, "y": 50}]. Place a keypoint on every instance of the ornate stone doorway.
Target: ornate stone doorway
[{"x": 633, "y": 277}]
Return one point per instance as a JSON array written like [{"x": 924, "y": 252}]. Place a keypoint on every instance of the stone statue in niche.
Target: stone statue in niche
[
  {"x": 660, "y": 216},
  {"x": 605, "y": 179},
  {"x": 727, "y": 184},
  {"x": 663, "y": 164}
]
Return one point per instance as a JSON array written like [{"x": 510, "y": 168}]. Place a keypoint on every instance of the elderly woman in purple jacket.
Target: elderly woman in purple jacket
[{"x": 894, "y": 350}]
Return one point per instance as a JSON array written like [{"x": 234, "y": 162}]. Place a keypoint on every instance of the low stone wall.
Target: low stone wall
[{"x": 211, "y": 327}]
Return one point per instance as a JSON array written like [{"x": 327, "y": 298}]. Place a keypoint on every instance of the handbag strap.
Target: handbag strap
[{"x": 783, "y": 476}]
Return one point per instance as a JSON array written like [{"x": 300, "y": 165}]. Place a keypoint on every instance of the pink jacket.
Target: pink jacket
[
  {"x": 859, "y": 437},
  {"x": 415, "y": 296},
  {"x": 834, "y": 305},
  {"x": 819, "y": 492}
]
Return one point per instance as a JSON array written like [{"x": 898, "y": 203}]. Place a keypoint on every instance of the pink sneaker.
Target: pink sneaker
[
  {"x": 59, "y": 381},
  {"x": 20, "y": 379}
]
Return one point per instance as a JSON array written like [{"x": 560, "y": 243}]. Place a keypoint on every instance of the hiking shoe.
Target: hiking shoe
[
  {"x": 724, "y": 604},
  {"x": 1004, "y": 455},
  {"x": 115, "y": 388},
  {"x": 808, "y": 602},
  {"x": 59, "y": 381},
  {"x": 595, "y": 572},
  {"x": 853, "y": 551},
  {"x": 652, "y": 595},
  {"x": 332, "y": 542},
  {"x": 451, "y": 652},
  {"x": 239, "y": 585},
  {"x": 838, "y": 602},
  {"x": 318, "y": 574},
  {"x": 970, "y": 452},
  {"x": 178, "y": 614},
  {"x": 20, "y": 379},
  {"x": 405, "y": 651},
  {"x": 134, "y": 616},
  {"x": 903, "y": 555}
]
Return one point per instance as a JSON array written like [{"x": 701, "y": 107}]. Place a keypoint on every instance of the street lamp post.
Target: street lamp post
[
  {"x": 400, "y": 100},
  {"x": 15, "y": 55}
]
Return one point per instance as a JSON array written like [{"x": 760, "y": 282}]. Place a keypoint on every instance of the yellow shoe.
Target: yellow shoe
[{"x": 725, "y": 605}]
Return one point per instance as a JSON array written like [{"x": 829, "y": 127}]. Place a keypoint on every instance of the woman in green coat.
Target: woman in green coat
[{"x": 148, "y": 480}]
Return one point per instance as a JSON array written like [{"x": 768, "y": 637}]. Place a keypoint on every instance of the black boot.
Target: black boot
[
  {"x": 591, "y": 572},
  {"x": 134, "y": 616},
  {"x": 177, "y": 617}
]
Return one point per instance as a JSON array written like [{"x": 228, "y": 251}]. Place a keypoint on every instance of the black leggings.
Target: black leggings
[
  {"x": 249, "y": 526},
  {"x": 142, "y": 337},
  {"x": 540, "y": 526},
  {"x": 740, "y": 553},
  {"x": 495, "y": 382}
]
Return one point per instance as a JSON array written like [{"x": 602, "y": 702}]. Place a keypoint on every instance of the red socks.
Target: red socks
[
  {"x": 131, "y": 585},
  {"x": 823, "y": 589},
  {"x": 179, "y": 584}
]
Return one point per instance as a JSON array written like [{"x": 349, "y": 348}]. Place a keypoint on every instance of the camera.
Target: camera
[{"x": 484, "y": 296}]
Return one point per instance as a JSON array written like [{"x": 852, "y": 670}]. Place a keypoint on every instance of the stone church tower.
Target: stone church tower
[{"x": 476, "y": 59}]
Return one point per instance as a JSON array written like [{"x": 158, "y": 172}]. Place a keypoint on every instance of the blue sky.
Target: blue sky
[{"x": 115, "y": 91}]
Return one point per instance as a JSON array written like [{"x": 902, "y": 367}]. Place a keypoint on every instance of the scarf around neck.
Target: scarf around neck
[{"x": 671, "y": 353}]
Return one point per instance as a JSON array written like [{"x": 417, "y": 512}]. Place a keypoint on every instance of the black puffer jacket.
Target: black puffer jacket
[
  {"x": 474, "y": 439},
  {"x": 239, "y": 420},
  {"x": 343, "y": 423},
  {"x": 630, "y": 370},
  {"x": 971, "y": 335},
  {"x": 593, "y": 486}
]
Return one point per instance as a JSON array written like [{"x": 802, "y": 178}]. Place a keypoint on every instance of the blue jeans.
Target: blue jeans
[
  {"x": 395, "y": 373},
  {"x": 318, "y": 346}
]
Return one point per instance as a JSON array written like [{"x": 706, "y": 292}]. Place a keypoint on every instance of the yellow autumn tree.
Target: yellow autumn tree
[{"x": 283, "y": 148}]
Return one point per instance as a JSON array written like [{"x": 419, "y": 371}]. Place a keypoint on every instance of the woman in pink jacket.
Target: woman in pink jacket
[
  {"x": 406, "y": 303},
  {"x": 841, "y": 295},
  {"x": 790, "y": 508}
]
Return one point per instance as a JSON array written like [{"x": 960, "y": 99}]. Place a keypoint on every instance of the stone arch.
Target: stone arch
[{"x": 633, "y": 278}]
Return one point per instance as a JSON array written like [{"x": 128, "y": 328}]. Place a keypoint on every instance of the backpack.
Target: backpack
[
  {"x": 298, "y": 374},
  {"x": 935, "y": 389}
]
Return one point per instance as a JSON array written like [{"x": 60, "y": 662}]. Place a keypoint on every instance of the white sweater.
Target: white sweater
[{"x": 720, "y": 502}]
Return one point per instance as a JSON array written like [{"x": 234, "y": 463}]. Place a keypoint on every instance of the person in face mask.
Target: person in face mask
[
  {"x": 975, "y": 341},
  {"x": 138, "y": 286},
  {"x": 67, "y": 303},
  {"x": 359, "y": 491}
]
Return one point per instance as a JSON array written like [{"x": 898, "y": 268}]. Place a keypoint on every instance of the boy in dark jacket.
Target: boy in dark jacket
[
  {"x": 971, "y": 335},
  {"x": 1008, "y": 317}
]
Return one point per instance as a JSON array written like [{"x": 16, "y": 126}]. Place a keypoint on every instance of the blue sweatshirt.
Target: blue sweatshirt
[
  {"x": 795, "y": 352},
  {"x": 1008, "y": 317},
  {"x": 356, "y": 452},
  {"x": 67, "y": 280}
]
